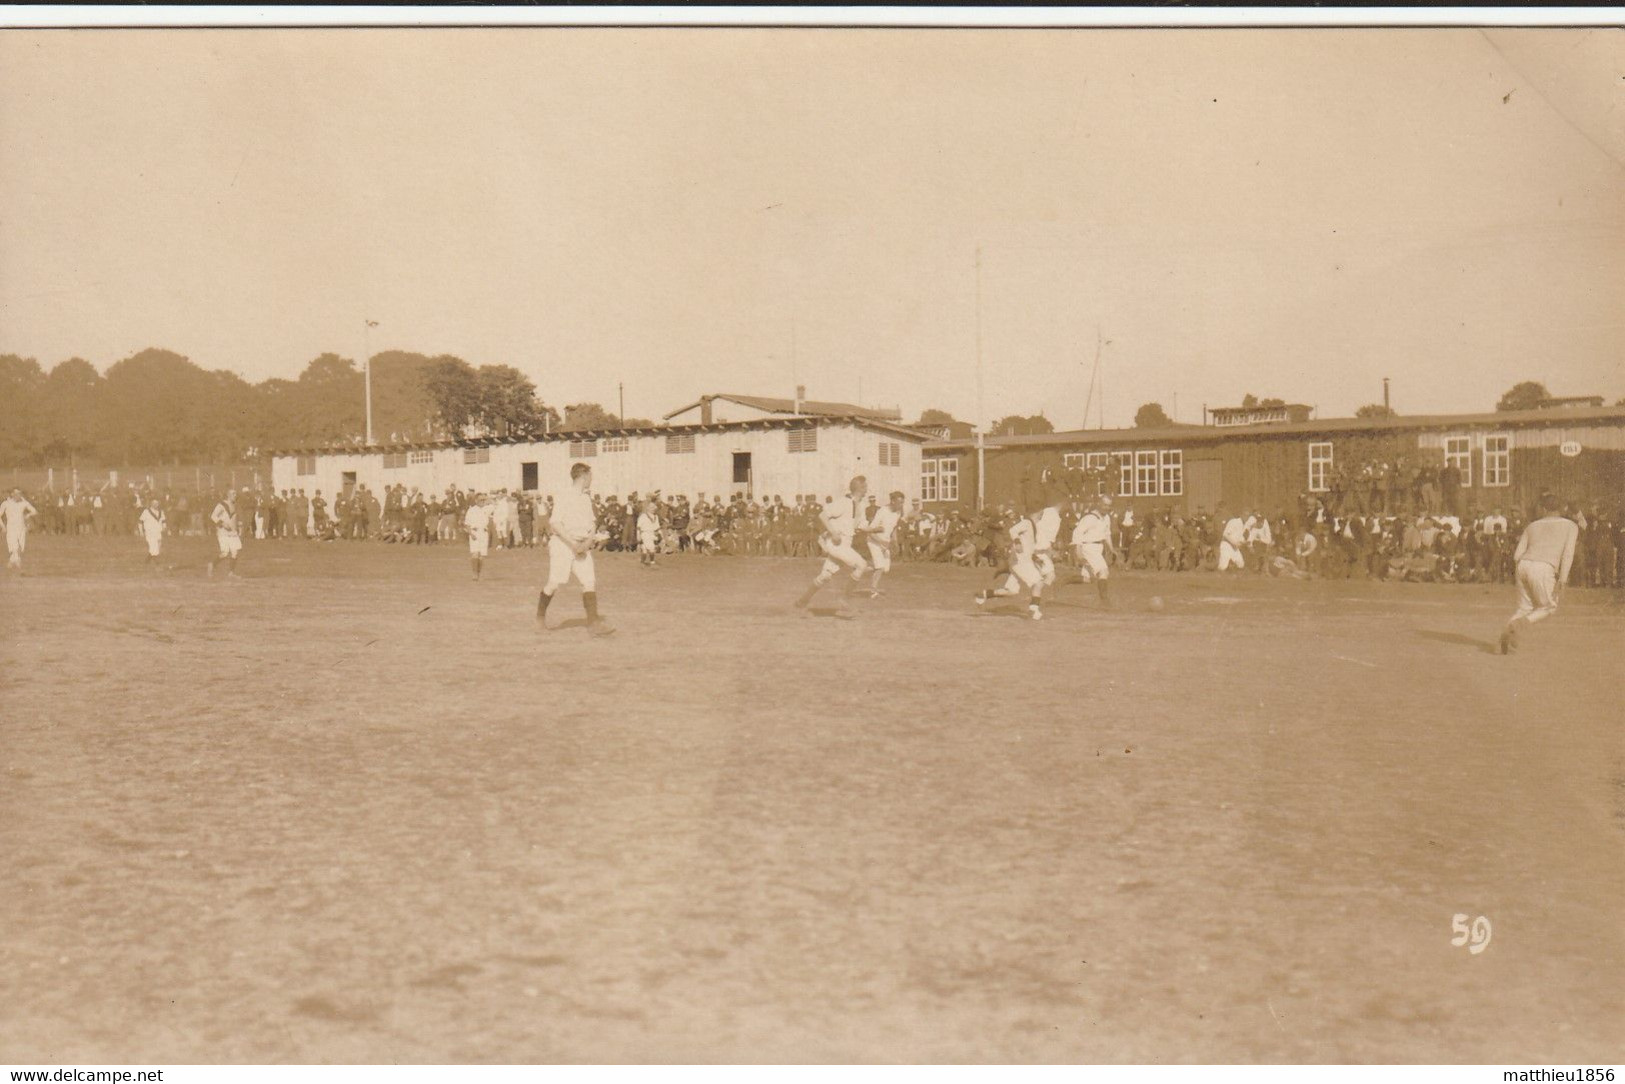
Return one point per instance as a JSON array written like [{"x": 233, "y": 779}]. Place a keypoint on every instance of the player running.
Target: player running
[
  {"x": 1092, "y": 545},
  {"x": 882, "y": 536},
  {"x": 224, "y": 518},
  {"x": 15, "y": 512},
  {"x": 1023, "y": 570},
  {"x": 151, "y": 526},
  {"x": 477, "y": 525},
  {"x": 569, "y": 550},
  {"x": 839, "y": 523},
  {"x": 1544, "y": 554}
]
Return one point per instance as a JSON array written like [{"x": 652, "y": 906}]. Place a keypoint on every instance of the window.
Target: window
[
  {"x": 616, "y": 444},
  {"x": 305, "y": 465},
  {"x": 680, "y": 444},
  {"x": 891, "y": 455},
  {"x": 1072, "y": 461},
  {"x": 939, "y": 479},
  {"x": 1125, "y": 473},
  {"x": 1458, "y": 453},
  {"x": 1320, "y": 466},
  {"x": 476, "y": 455},
  {"x": 1173, "y": 473},
  {"x": 802, "y": 440},
  {"x": 1498, "y": 460},
  {"x": 394, "y": 460},
  {"x": 420, "y": 457},
  {"x": 1145, "y": 474},
  {"x": 583, "y": 449}
]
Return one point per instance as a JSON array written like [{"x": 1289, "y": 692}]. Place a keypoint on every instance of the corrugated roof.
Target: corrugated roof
[
  {"x": 788, "y": 406},
  {"x": 1205, "y": 433},
  {"x": 790, "y": 422}
]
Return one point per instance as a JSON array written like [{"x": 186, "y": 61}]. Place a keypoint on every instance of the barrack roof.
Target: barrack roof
[
  {"x": 1557, "y": 419},
  {"x": 788, "y": 406},
  {"x": 793, "y": 422}
]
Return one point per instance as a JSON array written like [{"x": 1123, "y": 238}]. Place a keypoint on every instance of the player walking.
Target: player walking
[
  {"x": 15, "y": 512},
  {"x": 1544, "y": 554},
  {"x": 648, "y": 534},
  {"x": 477, "y": 525},
  {"x": 224, "y": 518},
  {"x": 569, "y": 550},
  {"x": 839, "y": 523},
  {"x": 151, "y": 526},
  {"x": 882, "y": 537}
]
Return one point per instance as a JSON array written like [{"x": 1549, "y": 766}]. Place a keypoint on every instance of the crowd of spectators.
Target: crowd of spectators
[{"x": 1377, "y": 521}]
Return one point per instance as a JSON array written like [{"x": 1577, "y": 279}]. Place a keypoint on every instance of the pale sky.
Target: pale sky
[{"x": 1290, "y": 212}]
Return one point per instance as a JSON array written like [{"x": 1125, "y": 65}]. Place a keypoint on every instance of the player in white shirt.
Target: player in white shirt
[
  {"x": 477, "y": 525},
  {"x": 1023, "y": 571},
  {"x": 1092, "y": 544},
  {"x": 151, "y": 526},
  {"x": 1231, "y": 541},
  {"x": 15, "y": 512},
  {"x": 224, "y": 518},
  {"x": 839, "y": 520},
  {"x": 648, "y": 534},
  {"x": 1545, "y": 554},
  {"x": 882, "y": 537},
  {"x": 569, "y": 551}
]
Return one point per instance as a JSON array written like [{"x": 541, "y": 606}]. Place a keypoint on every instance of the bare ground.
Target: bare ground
[{"x": 356, "y": 807}]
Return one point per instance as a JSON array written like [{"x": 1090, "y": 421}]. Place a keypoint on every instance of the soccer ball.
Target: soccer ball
[{"x": 1156, "y": 602}]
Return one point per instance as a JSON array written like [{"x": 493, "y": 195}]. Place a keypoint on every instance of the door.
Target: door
[
  {"x": 349, "y": 482},
  {"x": 1204, "y": 484},
  {"x": 742, "y": 469},
  {"x": 527, "y": 477}
]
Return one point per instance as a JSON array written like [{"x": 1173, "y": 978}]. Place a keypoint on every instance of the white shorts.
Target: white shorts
[
  {"x": 646, "y": 544},
  {"x": 1230, "y": 555},
  {"x": 231, "y": 543},
  {"x": 1092, "y": 561},
  {"x": 880, "y": 555},
  {"x": 1046, "y": 568},
  {"x": 155, "y": 542},
  {"x": 1023, "y": 568},
  {"x": 16, "y": 542},
  {"x": 835, "y": 557},
  {"x": 479, "y": 544},
  {"x": 1537, "y": 590},
  {"x": 562, "y": 563}
]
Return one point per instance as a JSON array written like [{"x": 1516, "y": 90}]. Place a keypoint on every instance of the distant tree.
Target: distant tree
[
  {"x": 324, "y": 406},
  {"x": 70, "y": 410},
  {"x": 588, "y": 416},
  {"x": 1621, "y": 402},
  {"x": 1016, "y": 425},
  {"x": 1375, "y": 410},
  {"x": 636, "y": 423},
  {"x": 1249, "y": 401},
  {"x": 957, "y": 430},
  {"x": 453, "y": 389},
  {"x": 20, "y": 382},
  {"x": 1151, "y": 416},
  {"x": 1523, "y": 396},
  {"x": 508, "y": 404}
]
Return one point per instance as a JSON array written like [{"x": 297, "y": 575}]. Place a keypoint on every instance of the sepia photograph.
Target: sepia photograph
[{"x": 781, "y": 545}]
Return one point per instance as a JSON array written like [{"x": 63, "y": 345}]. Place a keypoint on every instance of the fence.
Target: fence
[{"x": 193, "y": 478}]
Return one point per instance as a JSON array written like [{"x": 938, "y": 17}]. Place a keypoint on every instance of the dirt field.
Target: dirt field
[{"x": 356, "y": 808}]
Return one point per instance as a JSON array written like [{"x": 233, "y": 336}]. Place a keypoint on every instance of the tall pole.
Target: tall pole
[
  {"x": 981, "y": 441},
  {"x": 621, "y": 389},
  {"x": 366, "y": 369}
]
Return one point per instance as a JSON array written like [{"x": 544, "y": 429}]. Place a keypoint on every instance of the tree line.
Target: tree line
[{"x": 157, "y": 406}]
